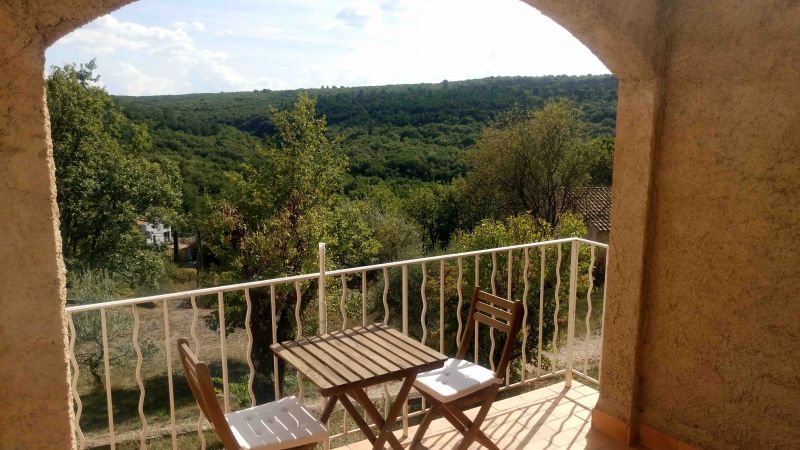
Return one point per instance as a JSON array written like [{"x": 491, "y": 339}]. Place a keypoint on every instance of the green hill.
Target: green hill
[{"x": 399, "y": 134}]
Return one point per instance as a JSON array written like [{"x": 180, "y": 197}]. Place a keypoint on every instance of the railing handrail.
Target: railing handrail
[{"x": 311, "y": 276}]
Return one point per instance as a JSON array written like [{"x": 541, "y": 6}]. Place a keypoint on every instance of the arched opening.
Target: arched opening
[{"x": 59, "y": 29}]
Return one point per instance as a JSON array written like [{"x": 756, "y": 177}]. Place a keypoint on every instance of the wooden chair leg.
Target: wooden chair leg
[
  {"x": 423, "y": 426},
  {"x": 475, "y": 429},
  {"x": 462, "y": 423}
]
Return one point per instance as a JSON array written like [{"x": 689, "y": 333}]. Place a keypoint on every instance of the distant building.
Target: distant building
[
  {"x": 594, "y": 205},
  {"x": 157, "y": 234}
]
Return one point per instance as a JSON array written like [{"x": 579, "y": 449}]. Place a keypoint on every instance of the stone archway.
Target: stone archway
[{"x": 33, "y": 366}]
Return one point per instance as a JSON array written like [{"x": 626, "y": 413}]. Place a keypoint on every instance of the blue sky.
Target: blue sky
[{"x": 179, "y": 46}]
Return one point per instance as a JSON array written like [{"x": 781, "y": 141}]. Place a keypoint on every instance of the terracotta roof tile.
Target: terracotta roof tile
[{"x": 594, "y": 204}]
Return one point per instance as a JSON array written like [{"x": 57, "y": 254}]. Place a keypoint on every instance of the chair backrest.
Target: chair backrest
[
  {"x": 200, "y": 382},
  {"x": 498, "y": 313}
]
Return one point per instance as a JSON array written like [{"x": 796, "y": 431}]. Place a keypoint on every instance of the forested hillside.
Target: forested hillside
[{"x": 402, "y": 135}]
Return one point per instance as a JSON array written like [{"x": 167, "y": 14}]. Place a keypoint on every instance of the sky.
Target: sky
[{"x": 183, "y": 46}]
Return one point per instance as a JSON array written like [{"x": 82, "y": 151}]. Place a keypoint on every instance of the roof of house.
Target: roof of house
[{"x": 594, "y": 204}]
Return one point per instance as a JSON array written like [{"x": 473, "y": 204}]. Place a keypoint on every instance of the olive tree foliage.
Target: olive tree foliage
[
  {"x": 269, "y": 219},
  {"x": 93, "y": 287},
  {"x": 528, "y": 163},
  {"x": 104, "y": 183}
]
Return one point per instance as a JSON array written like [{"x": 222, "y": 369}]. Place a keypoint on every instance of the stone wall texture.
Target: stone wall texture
[{"x": 701, "y": 335}]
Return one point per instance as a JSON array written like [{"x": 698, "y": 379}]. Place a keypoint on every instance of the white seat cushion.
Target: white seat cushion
[
  {"x": 277, "y": 425},
  {"x": 456, "y": 379}
]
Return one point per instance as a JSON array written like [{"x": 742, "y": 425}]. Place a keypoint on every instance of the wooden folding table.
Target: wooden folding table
[{"x": 345, "y": 363}]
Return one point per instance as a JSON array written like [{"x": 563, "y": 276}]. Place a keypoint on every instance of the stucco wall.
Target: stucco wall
[
  {"x": 35, "y": 408},
  {"x": 720, "y": 345}
]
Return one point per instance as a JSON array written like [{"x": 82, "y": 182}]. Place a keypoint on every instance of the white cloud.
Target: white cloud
[
  {"x": 138, "y": 82},
  {"x": 249, "y": 44},
  {"x": 352, "y": 17}
]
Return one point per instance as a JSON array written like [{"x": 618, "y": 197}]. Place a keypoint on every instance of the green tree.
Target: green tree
[
  {"x": 603, "y": 164},
  {"x": 529, "y": 163},
  {"x": 434, "y": 207},
  {"x": 271, "y": 216},
  {"x": 104, "y": 184}
]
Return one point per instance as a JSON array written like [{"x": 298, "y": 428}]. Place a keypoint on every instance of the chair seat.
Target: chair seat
[
  {"x": 277, "y": 425},
  {"x": 455, "y": 380}
]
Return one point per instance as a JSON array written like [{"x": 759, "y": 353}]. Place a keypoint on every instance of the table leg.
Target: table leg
[
  {"x": 385, "y": 434},
  {"x": 362, "y": 424},
  {"x": 326, "y": 412}
]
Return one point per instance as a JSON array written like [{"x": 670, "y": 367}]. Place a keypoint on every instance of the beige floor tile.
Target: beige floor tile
[{"x": 547, "y": 418}]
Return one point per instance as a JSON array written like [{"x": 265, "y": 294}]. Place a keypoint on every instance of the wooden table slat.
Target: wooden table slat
[
  {"x": 355, "y": 365},
  {"x": 313, "y": 363},
  {"x": 302, "y": 366},
  {"x": 376, "y": 360},
  {"x": 427, "y": 351},
  {"x": 375, "y": 349},
  {"x": 389, "y": 347}
]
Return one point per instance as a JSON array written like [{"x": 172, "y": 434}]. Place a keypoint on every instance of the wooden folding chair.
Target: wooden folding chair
[
  {"x": 461, "y": 384},
  {"x": 282, "y": 424}
]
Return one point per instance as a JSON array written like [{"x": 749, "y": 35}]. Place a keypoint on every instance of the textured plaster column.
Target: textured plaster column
[
  {"x": 35, "y": 409},
  {"x": 35, "y": 401},
  {"x": 637, "y": 125},
  {"x": 631, "y": 42}
]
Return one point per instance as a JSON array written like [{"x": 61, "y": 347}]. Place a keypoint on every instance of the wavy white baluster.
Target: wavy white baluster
[
  {"x": 343, "y": 302},
  {"x": 224, "y": 351},
  {"x": 74, "y": 384},
  {"x": 510, "y": 288},
  {"x": 343, "y": 311},
  {"x": 139, "y": 382},
  {"x": 525, "y": 314},
  {"x": 494, "y": 273},
  {"x": 424, "y": 303},
  {"x": 441, "y": 306},
  {"x": 422, "y": 318},
  {"x": 542, "y": 261},
  {"x": 404, "y": 307},
  {"x": 297, "y": 301},
  {"x": 107, "y": 373},
  {"x": 168, "y": 355},
  {"x": 494, "y": 292},
  {"x": 602, "y": 321},
  {"x": 588, "y": 312},
  {"x": 555, "y": 312},
  {"x": 196, "y": 343},
  {"x": 249, "y": 347},
  {"x": 385, "y": 321},
  {"x": 460, "y": 299},
  {"x": 363, "y": 298},
  {"x": 385, "y": 296},
  {"x": 477, "y": 326},
  {"x": 274, "y": 327}
]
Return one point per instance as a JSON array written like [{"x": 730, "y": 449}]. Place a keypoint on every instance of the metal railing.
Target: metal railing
[{"x": 521, "y": 277}]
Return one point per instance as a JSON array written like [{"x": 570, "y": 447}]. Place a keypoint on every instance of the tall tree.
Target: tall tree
[
  {"x": 104, "y": 184},
  {"x": 273, "y": 212},
  {"x": 529, "y": 163}
]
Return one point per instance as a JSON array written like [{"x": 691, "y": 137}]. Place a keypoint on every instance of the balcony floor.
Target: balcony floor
[{"x": 551, "y": 417}]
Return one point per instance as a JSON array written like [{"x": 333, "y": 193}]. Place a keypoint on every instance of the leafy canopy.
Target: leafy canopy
[
  {"x": 530, "y": 162},
  {"x": 104, "y": 183}
]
